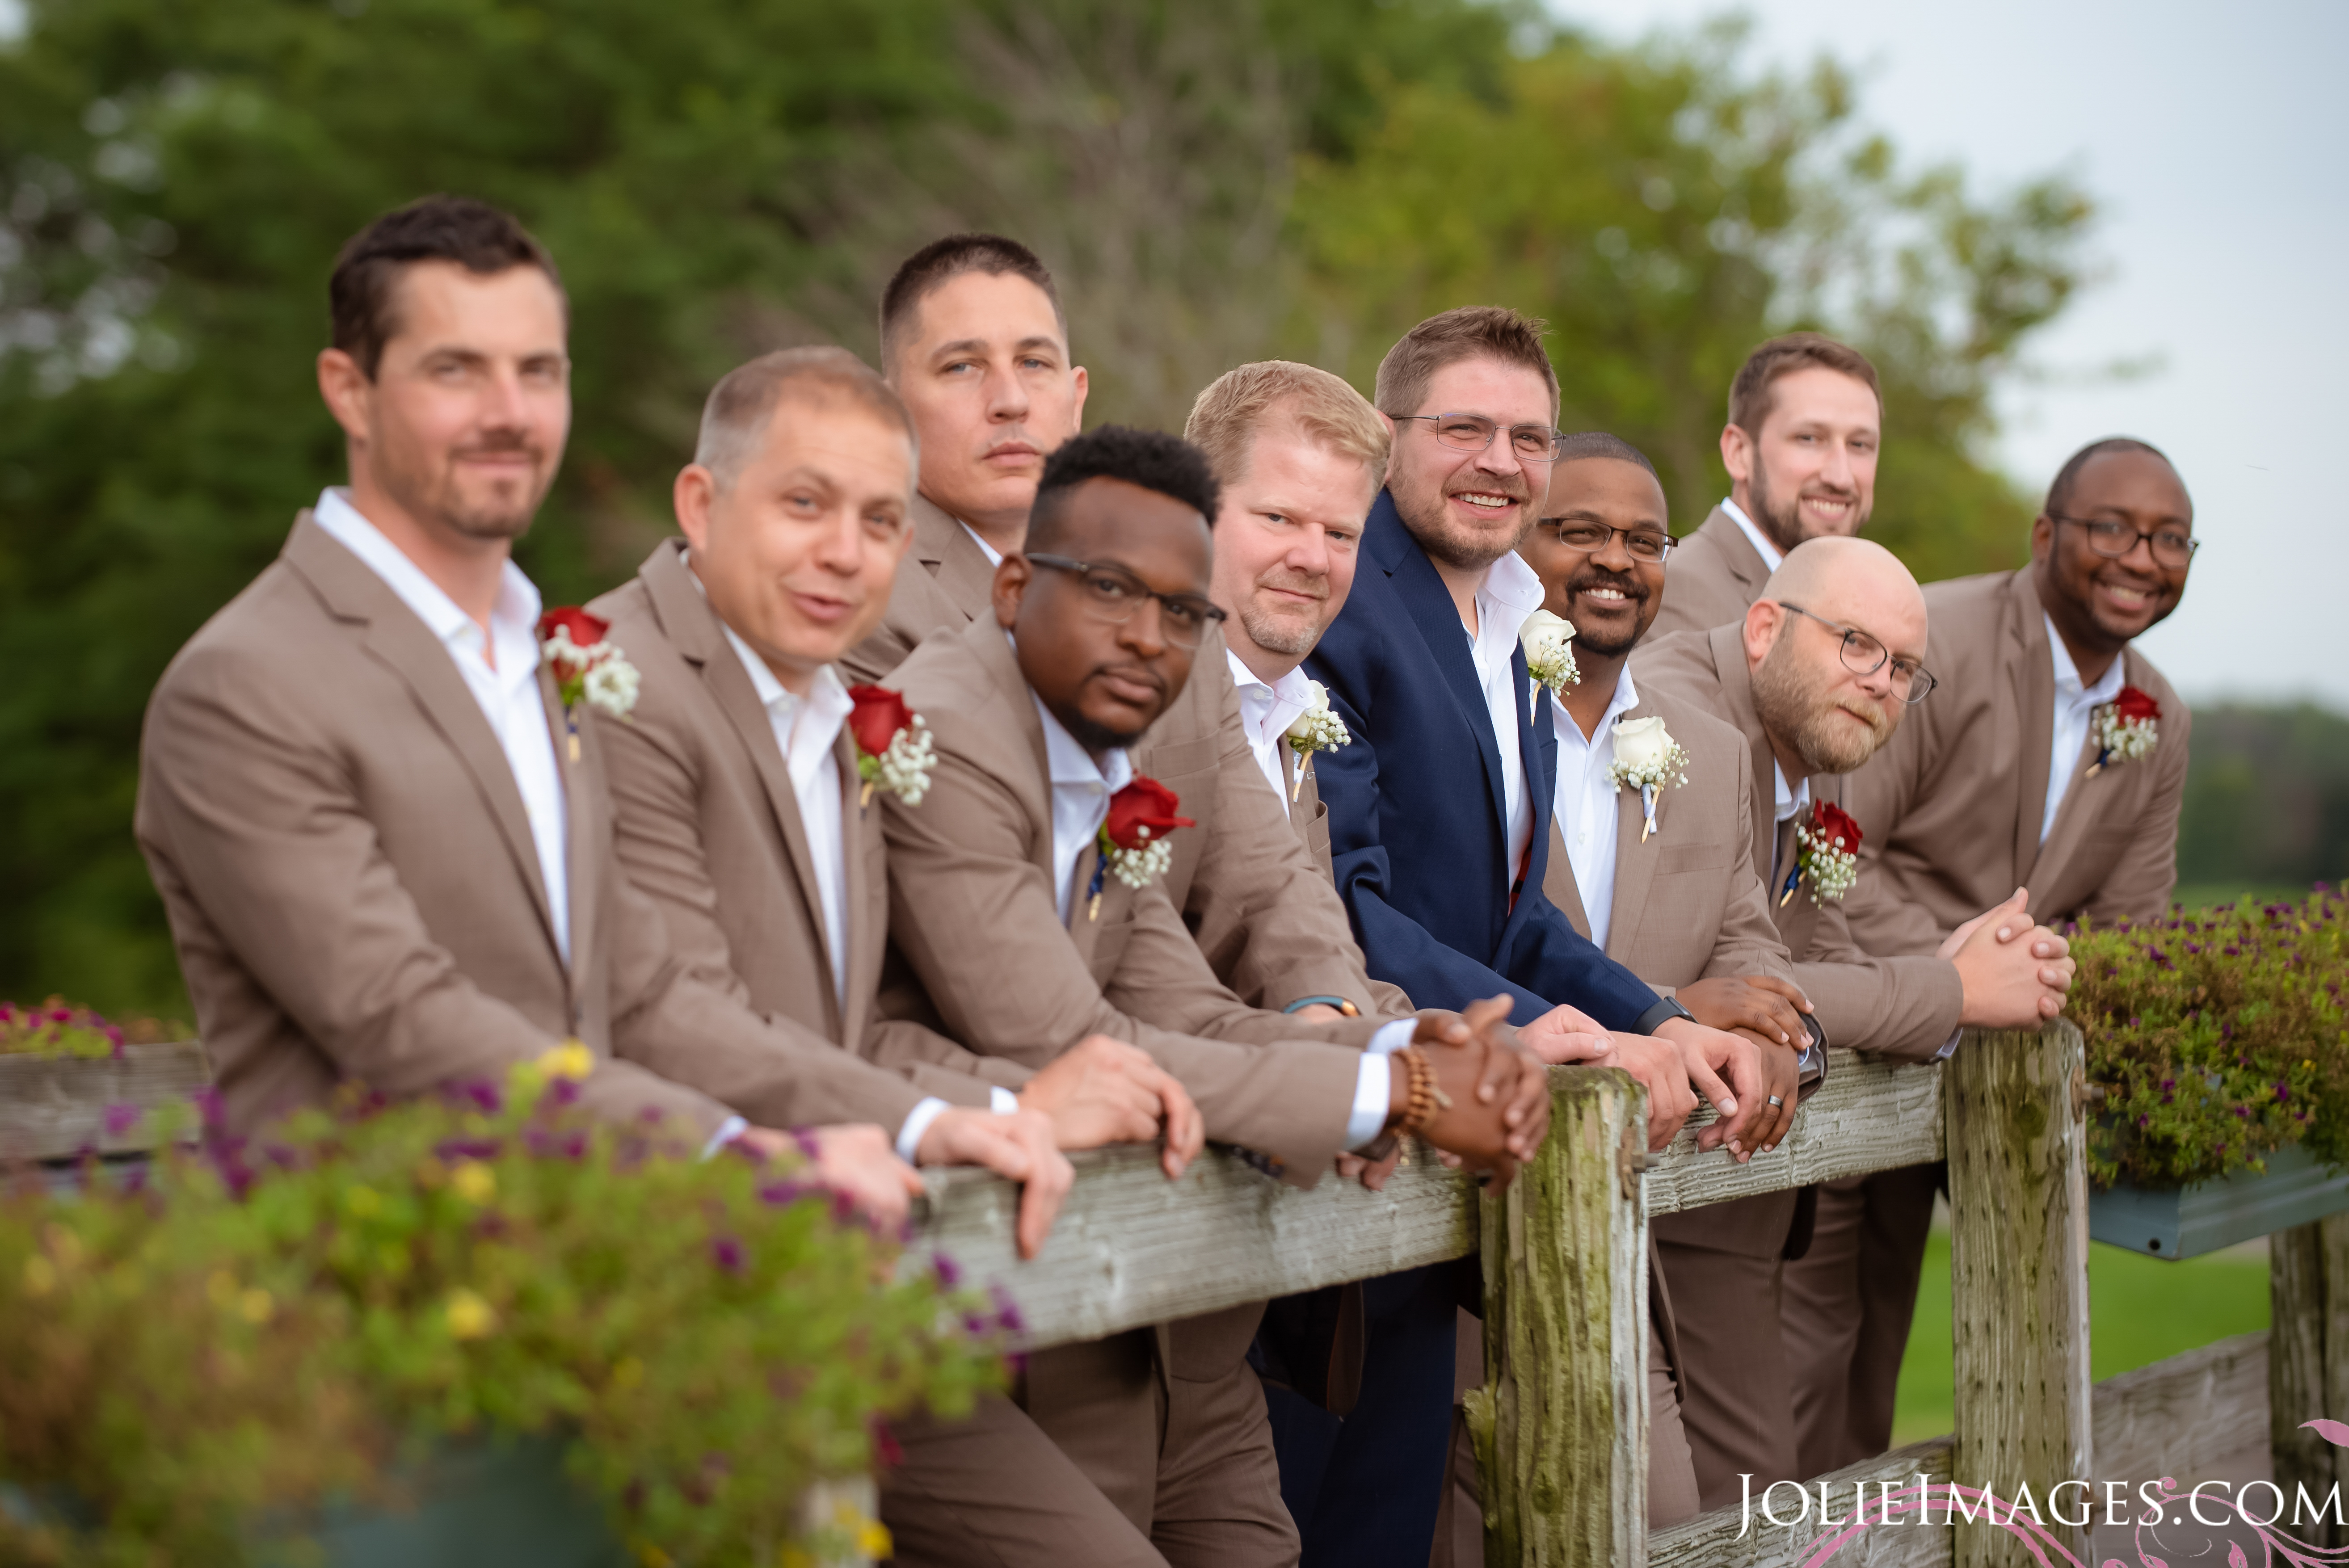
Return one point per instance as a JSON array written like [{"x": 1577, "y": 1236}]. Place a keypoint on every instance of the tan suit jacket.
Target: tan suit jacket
[
  {"x": 1900, "y": 1006},
  {"x": 355, "y": 893},
  {"x": 1268, "y": 917},
  {"x": 1950, "y": 811},
  {"x": 974, "y": 911},
  {"x": 1713, "y": 575},
  {"x": 708, "y": 825}
]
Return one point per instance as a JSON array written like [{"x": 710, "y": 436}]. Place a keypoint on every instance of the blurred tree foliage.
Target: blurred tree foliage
[
  {"x": 2267, "y": 798},
  {"x": 1214, "y": 180}
]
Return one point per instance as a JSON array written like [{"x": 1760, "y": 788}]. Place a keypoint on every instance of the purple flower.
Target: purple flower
[
  {"x": 780, "y": 1193},
  {"x": 949, "y": 1272},
  {"x": 561, "y": 1094},
  {"x": 121, "y": 1119},
  {"x": 2283, "y": 1093},
  {"x": 1007, "y": 1312},
  {"x": 2170, "y": 1083},
  {"x": 727, "y": 1252},
  {"x": 208, "y": 1105},
  {"x": 451, "y": 1149},
  {"x": 485, "y": 1096}
]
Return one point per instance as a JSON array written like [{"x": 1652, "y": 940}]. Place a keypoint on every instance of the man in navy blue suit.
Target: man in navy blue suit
[{"x": 1439, "y": 833}]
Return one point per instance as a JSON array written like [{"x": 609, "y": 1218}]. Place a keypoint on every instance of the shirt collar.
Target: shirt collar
[
  {"x": 994, "y": 556},
  {"x": 1772, "y": 556},
  {"x": 2067, "y": 674},
  {"x": 827, "y": 700},
  {"x": 1070, "y": 763},
  {"x": 1292, "y": 691},
  {"x": 1626, "y": 698},
  {"x": 1788, "y": 801},
  {"x": 1514, "y": 585},
  {"x": 515, "y": 612}
]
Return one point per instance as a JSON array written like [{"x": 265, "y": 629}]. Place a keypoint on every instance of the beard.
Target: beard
[
  {"x": 1633, "y": 590},
  {"x": 1796, "y": 706},
  {"x": 1782, "y": 519},
  {"x": 1291, "y": 631},
  {"x": 1465, "y": 549},
  {"x": 498, "y": 510}
]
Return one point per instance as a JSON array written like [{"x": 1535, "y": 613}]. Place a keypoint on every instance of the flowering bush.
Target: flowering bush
[
  {"x": 2218, "y": 1037},
  {"x": 261, "y": 1325}
]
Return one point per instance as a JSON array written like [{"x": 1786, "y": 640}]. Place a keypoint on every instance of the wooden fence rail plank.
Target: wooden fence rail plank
[
  {"x": 2184, "y": 1416},
  {"x": 1868, "y": 1116},
  {"x": 1721, "y": 1539},
  {"x": 54, "y": 1108}
]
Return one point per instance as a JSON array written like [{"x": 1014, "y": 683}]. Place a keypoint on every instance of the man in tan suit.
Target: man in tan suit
[
  {"x": 1015, "y": 884},
  {"x": 1819, "y": 673},
  {"x": 741, "y": 813},
  {"x": 973, "y": 339},
  {"x": 2004, "y": 780},
  {"x": 384, "y": 844},
  {"x": 1806, "y": 421}
]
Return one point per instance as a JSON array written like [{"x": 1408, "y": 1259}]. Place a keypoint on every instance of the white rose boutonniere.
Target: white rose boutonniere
[
  {"x": 1548, "y": 642},
  {"x": 1318, "y": 729},
  {"x": 1647, "y": 758}
]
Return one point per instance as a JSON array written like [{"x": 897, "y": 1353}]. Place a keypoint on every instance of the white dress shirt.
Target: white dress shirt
[
  {"x": 1265, "y": 714},
  {"x": 1587, "y": 815},
  {"x": 1081, "y": 792},
  {"x": 2075, "y": 706},
  {"x": 1511, "y": 592},
  {"x": 994, "y": 556},
  {"x": 508, "y": 694},
  {"x": 1771, "y": 555}
]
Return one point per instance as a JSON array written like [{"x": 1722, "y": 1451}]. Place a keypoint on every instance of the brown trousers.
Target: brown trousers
[
  {"x": 1736, "y": 1386},
  {"x": 1845, "y": 1309},
  {"x": 1671, "y": 1481}
]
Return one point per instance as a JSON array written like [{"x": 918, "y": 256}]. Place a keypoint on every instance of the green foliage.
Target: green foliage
[
  {"x": 54, "y": 1029},
  {"x": 2218, "y": 1037},
  {"x": 2267, "y": 797},
  {"x": 269, "y": 1326},
  {"x": 1212, "y": 182}
]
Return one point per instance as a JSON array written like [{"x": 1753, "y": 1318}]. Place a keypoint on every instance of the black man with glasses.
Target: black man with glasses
[
  {"x": 1032, "y": 915},
  {"x": 1439, "y": 831}
]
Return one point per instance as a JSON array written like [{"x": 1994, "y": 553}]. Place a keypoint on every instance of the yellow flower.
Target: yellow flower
[
  {"x": 363, "y": 1201},
  {"x": 256, "y": 1305},
  {"x": 470, "y": 1317},
  {"x": 222, "y": 1288},
  {"x": 568, "y": 1060},
  {"x": 474, "y": 1182},
  {"x": 872, "y": 1539},
  {"x": 652, "y": 1556},
  {"x": 40, "y": 1276}
]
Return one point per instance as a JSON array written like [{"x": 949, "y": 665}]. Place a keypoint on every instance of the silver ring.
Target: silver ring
[{"x": 1775, "y": 1100}]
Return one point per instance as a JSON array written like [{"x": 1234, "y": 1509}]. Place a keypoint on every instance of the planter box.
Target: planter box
[
  {"x": 54, "y": 1108},
  {"x": 2186, "y": 1222}
]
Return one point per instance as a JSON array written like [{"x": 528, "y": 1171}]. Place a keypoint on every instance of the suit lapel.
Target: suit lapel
[
  {"x": 1429, "y": 603},
  {"x": 1559, "y": 884},
  {"x": 1728, "y": 650},
  {"x": 396, "y": 636},
  {"x": 695, "y": 630},
  {"x": 1746, "y": 563},
  {"x": 583, "y": 831},
  {"x": 1635, "y": 865},
  {"x": 949, "y": 554},
  {"x": 859, "y": 827},
  {"x": 2031, "y": 669}
]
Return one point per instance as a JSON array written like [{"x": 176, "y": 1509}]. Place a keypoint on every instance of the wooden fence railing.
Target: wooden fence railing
[{"x": 1561, "y": 1423}]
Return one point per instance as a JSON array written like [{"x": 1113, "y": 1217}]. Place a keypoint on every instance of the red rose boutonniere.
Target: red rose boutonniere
[
  {"x": 1827, "y": 851},
  {"x": 1133, "y": 841},
  {"x": 2127, "y": 728},
  {"x": 893, "y": 751},
  {"x": 587, "y": 667}
]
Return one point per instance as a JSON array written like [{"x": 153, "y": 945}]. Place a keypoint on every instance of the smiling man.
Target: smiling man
[
  {"x": 2016, "y": 775},
  {"x": 1806, "y": 423}
]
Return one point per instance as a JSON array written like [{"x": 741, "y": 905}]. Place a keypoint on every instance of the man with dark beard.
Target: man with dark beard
[
  {"x": 1815, "y": 678},
  {"x": 1805, "y": 419}
]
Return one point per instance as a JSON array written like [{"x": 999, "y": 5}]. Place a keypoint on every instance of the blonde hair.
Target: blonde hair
[
  {"x": 740, "y": 407},
  {"x": 1240, "y": 405}
]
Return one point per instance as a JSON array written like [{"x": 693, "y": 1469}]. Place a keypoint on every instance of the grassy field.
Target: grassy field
[{"x": 2140, "y": 1310}]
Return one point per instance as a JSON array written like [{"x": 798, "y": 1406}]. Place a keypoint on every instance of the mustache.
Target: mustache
[
  {"x": 1295, "y": 583},
  {"x": 1142, "y": 672},
  {"x": 1626, "y": 584},
  {"x": 498, "y": 443},
  {"x": 1514, "y": 488}
]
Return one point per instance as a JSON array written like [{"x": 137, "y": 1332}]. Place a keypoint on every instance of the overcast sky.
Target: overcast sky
[{"x": 2212, "y": 138}]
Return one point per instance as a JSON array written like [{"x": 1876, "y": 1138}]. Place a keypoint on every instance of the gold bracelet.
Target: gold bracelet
[{"x": 1420, "y": 1103}]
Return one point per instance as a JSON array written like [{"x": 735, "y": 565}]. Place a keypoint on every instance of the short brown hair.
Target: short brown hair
[
  {"x": 1750, "y": 398},
  {"x": 1236, "y": 407},
  {"x": 742, "y": 404},
  {"x": 1472, "y": 331},
  {"x": 922, "y": 271},
  {"x": 474, "y": 234}
]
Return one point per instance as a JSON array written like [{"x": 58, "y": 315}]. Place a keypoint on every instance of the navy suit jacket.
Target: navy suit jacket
[{"x": 1418, "y": 822}]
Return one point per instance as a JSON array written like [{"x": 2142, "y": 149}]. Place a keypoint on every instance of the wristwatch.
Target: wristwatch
[{"x": 1657, "y": 1017}]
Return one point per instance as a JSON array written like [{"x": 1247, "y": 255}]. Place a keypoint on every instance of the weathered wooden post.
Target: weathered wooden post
[
  {"x": 1561, "y": 1424},
  {"x": 2308, "y": 1363},
  {"x": 2017, "y": 1139}
]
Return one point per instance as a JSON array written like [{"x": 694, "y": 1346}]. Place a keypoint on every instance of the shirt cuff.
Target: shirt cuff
[
  {"x": 1001, "y": 1100},
  {"x": 1372, "y": 1090},
  {"x": 917, "y": 1123},
  {"x": 732, "y": 1128},
  {"x": 1391, "y": 1037},
  {"x": 1950, "y": 1044}
]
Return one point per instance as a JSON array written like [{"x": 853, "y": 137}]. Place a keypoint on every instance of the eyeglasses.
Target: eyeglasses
[
  {"x": 1111, "y": 594},
  {"x": 1647, "y": 545},
  {"x": 1473, "y": 433},
  {"x": 1864, "y": 656},
  {"x": 2113, "y": 540}
]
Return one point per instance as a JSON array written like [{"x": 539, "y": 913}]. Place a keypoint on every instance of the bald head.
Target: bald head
[{"x": 1835, "y": 606}]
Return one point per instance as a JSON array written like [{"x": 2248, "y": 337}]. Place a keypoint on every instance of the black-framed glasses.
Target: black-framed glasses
[
  {"x": 2109, "y": 537},
  {"x": 1648, "y": 544},
  {"x": 1473, "y": 433},
  {"x": 1864, "y": 656},
  {"x": 1111, "y": 594}
]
